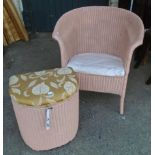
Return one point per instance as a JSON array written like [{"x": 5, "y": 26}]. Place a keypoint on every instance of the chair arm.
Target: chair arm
[
  {"x": 134, "y": 37},
  {"x": 127, "y": 55},
  {"x": 67, "y": 48},
  {"x": 63, "y": 53}
]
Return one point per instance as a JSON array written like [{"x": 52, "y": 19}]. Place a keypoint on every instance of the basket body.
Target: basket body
[{"x": 64, "y": 123}]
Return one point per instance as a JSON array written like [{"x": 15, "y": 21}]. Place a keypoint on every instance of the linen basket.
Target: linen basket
[{"x": 46, "y": 105}]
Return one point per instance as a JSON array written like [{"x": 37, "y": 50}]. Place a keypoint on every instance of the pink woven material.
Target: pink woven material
[
  {"x": 64, "y": 124},
  {"x": 102, "y": 30}
]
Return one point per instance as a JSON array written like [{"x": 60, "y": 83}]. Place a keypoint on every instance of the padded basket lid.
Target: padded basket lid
[{"x": 44, "y": 88}]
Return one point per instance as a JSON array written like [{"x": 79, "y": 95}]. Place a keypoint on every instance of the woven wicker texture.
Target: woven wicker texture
[
  {"x": 64, "y": 124},
  {"x": 99, "y": 29}
]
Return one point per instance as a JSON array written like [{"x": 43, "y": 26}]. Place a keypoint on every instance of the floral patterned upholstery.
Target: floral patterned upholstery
[{"x": 44, "y": 88}]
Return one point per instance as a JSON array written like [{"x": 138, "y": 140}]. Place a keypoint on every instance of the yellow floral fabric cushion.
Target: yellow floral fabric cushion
[{"x": 44, "y": 88}]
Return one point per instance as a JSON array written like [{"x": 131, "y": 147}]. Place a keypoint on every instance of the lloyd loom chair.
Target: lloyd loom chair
[{"x": 96, "y": 33}]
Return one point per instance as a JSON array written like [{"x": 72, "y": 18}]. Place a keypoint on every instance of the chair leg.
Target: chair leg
[{"x": 122, "y": 104}]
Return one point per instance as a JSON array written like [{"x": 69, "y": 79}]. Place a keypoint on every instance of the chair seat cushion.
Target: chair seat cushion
[
  {"x": 43, "y": 88},
  {"x": 98, "y": 64}
]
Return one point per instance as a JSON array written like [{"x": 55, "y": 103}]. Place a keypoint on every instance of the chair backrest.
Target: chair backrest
[{"x": 100, "y": 28}]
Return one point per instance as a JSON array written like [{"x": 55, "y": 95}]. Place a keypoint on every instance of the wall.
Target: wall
[{"x": 113, "y": 3}]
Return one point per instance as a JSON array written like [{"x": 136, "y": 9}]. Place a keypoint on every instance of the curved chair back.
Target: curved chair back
[{"x": 100, "y": 29}]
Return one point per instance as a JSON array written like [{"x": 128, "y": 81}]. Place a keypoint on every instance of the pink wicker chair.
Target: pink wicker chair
[{"x": 100, "y": 29}]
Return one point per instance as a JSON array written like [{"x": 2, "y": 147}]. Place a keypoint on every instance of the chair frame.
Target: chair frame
[{"x": 100, "y": 29}]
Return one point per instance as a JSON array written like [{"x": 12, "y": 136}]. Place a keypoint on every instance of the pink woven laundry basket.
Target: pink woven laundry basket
[
  {"x": 64, "y": 124},
  {"x": 45, "y": 127}
]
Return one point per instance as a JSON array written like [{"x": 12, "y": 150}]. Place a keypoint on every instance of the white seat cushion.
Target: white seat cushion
[{"x": 98, "y": 64}]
